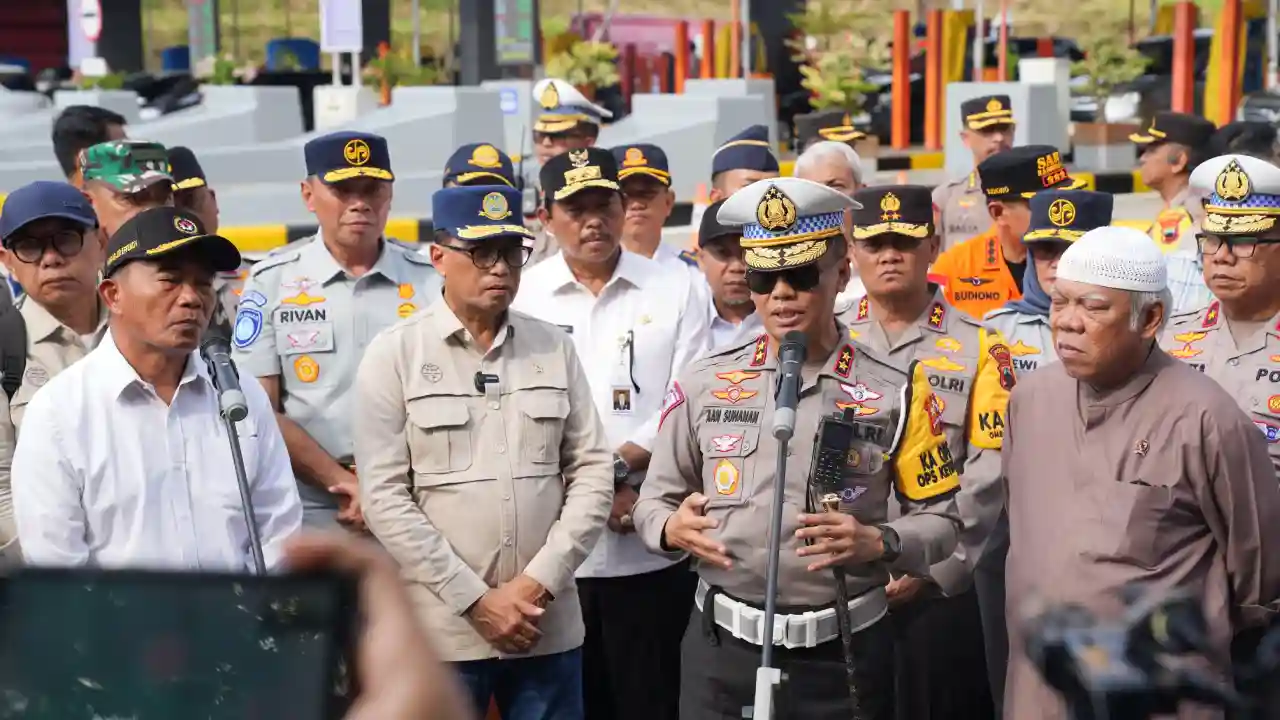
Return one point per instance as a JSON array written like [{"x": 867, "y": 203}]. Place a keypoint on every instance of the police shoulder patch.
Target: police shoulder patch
[
  {"x": 248, "y": 326},
  {"x": 254, "y": 298}
]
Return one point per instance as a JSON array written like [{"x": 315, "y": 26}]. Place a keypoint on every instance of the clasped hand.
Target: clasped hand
[
  {"x": 840, "y": 537},
  {"x": 507, "y": 616}
]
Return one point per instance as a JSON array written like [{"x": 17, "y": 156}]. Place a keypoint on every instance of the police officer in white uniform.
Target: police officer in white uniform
[{"x": 306, "y": 315}]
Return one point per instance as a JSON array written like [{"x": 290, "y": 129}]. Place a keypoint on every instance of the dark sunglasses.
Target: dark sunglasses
[
  {"x": 801, "y": 279},
  {"x": 488, "y": 254},
  {"x": 30, "y": 248}
]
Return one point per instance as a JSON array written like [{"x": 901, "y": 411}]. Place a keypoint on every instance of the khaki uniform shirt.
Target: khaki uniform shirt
[
  {"x": 51, "y": 348},
  {"x": 970, "y": 370},
  {"x": 1161, "y": 481},
  {"x": 1175, "y": 226},
  {"x": 715, "y": 439},
  {"x": 1249, "y": 371},
  {"x": 303, "y": 318},
  {"x": 468, "y": 489},
  {"x": 1029, "y": 338},
  {"x": 961, "y": 209}
]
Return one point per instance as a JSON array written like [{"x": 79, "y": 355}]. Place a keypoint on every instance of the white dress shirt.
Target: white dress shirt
[
  {"x": 105, "y": 473},
  {"x": 643, "y": 328},
  {"x": 721, "y": 332}
]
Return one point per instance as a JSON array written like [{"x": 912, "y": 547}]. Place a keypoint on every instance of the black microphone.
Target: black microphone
[
  {"x": 216, "y": 352},
  {"x": 791, "y": 357}
]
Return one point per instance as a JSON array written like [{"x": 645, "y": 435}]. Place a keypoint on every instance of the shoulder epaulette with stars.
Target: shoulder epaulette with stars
[
  {"x": 864, "y": 308},
  {"x": 761, "y": 352},
  {"x": 844, "y": 361},
  {"x": 1211, "y": 316},
  {"x": 937, "y": 315}
]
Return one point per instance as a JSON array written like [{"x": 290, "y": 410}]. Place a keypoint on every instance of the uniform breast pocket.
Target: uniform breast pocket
[
  {"x": 728, "y": 463},
  {"x": 543, "y": 412},
  {"x": 1130, "y": 521},
  {"x": 439, "y": 433}
]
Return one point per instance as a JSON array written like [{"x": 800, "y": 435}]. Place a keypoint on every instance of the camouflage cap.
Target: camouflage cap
[{"x": 129, "y": 166}]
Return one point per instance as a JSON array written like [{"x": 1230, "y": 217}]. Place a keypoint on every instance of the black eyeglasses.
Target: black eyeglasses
[
  {"x": 30, "y": 248},
  {"x": 801, "y": 279},
  {"x": 1242, "y": 246},
  {"x": 487, "y": 254}
]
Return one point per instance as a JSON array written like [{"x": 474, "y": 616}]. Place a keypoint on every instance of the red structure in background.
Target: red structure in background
[{"x": 35, "y": 30}]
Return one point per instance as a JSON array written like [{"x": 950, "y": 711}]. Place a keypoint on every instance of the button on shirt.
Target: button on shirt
[
  {"x": 107, "y": 474},
  {"x": 51, "y": 348},
  {"x": 633, "y": 338},
  {"x": 305, "y": 319},
  {"x": 468, "y": 489}
]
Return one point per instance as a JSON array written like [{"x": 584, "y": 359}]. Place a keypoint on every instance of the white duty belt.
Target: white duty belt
[{"x": 803, "y": 630}]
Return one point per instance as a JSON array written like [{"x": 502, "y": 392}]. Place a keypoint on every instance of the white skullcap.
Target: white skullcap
[{"x": 1120, "y": 258}]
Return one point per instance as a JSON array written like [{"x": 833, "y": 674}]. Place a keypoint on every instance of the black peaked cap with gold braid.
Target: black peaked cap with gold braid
[
  {"x": 642, "y": 159},
  {"x": 986, "y": 111},
  {"x": 577, "y": 170},
  {"x": 1182, "y": 128},
  {"x": 786, "y": 222},
  {"x": 893, "y": 209}
]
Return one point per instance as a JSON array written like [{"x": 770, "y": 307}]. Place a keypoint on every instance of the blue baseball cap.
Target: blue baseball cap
[
  {"x": 472, "y": 213},
  {"x": 40, "y": 200},
  {"x": 344, "y": 155}
]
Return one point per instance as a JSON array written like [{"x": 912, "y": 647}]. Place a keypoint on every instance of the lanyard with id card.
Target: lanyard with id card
[{"x": 623, "y": 387}]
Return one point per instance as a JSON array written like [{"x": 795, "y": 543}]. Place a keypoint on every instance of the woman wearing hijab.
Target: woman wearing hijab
[{"x": 1058, "y": 218}]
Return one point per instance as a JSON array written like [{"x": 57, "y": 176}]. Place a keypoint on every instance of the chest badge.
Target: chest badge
[
  {"x": 726, "y": 443},
  {"x": 1020, "y": 349},
  {"x": 406, "y": 309},
  {"x": 737, "y": 377},
  {"x": 1188, "y": 340},
  {"x": 1141, "y": 447},
  {"x": 734, "y": 394},
  {"x": 949, "y": 345},
  {"x": 405, "y": 291},
  {"x": 306, "y": 369},
  {"x": 859, "y": 395},
  {"x": 726, "y": 475},
  {"x": 942, "y": 363}
]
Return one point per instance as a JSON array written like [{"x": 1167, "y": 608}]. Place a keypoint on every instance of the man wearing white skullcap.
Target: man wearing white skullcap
[
  {"x": 1123, "y": 465},
  {"x": 1235, "y": 336}
]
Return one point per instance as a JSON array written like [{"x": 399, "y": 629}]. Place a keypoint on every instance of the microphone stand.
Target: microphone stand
[
  {"x": 767, "y": 676},
  {"x": 226, "y": 402},
  {"x": 246, "y": 505}
]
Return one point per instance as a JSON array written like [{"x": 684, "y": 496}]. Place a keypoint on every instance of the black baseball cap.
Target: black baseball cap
[
  {"x": 711, "y": 227},
  {"x": 578, "y": 170},
  {"x": 156, "y": 232},
  {"x": 185, "y": 169}
]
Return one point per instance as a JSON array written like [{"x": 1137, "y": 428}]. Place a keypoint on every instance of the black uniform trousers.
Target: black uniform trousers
[
  {"x": 631, "y": 654},
  {"x": 941, "y": 661},
  {"x": 718, "y": 676}
]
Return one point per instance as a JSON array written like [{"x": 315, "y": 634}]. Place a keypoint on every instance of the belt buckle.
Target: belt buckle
[
  {"x": 806, "y": 624},
  {"x": 745, "y": 617}
]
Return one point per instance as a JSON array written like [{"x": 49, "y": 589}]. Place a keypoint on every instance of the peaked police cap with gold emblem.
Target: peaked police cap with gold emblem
[
  {"x": 577, "y": 170},
  {"x": 893, "y": 209},
  {"x": 561, "y": 107},
  {"x": 344, "y": 155},
  {"x": 986, "y": 111},
  {"x": 642, "y": 159},
  {"x": 786, "y": 222},
  {"x": 1065, "y": 215},
  {"x": 472, "y": 213},
  {"x": 1243, "y": 194},
  {"x": 479, "y": 164}
]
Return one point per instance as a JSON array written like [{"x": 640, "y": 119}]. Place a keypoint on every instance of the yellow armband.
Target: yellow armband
[
  {"x": 989, "y": 396},
  {"x": 922, "y": 461}
]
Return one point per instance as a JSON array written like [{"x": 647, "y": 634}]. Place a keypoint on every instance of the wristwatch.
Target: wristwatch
[
  {"x": 621, "y": 471},
  {"x": 892, "y": 543}
]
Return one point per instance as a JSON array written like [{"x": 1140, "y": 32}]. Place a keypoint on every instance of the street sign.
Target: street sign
[
  {"x": 341, "y": 26},
  {"x": 91, "y": 19}
]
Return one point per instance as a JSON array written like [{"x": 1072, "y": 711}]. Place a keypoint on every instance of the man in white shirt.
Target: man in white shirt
[
  {"x": 124, "y": 460},
  {"x": 634, "y": 323},
  {"x": 728, "y": 304},
  {"x": 647, "y": 200}
]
